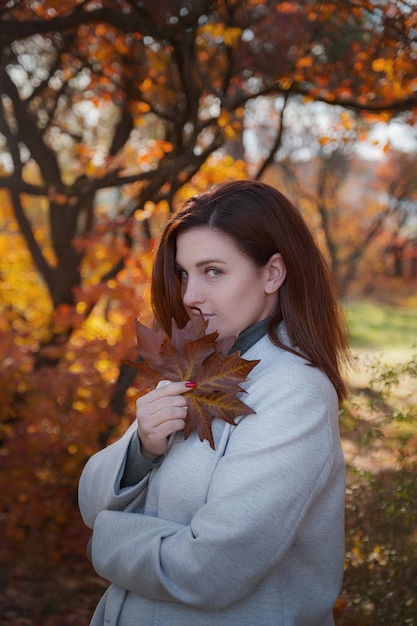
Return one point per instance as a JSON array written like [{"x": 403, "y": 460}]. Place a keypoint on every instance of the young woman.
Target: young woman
[{"x": 251, "y": 532}]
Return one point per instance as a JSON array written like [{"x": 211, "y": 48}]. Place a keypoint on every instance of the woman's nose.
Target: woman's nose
[{"x": 192, "y": 293}]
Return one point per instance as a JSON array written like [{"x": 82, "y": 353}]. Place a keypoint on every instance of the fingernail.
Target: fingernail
[{"x": 190, "y": 384}]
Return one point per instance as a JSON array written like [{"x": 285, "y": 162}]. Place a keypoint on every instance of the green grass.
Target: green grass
[{"x": 380, "y": 329}]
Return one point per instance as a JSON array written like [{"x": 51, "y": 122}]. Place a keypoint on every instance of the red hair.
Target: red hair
[{"x": 262, "y": 222}]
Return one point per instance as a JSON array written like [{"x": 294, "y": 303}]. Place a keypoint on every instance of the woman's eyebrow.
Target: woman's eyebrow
[
  {"x": 208, "y": 261},
  {"x": 202, "y": 263}
]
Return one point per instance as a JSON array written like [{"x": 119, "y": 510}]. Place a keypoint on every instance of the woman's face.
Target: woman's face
[{"x": 222, "y": 284}]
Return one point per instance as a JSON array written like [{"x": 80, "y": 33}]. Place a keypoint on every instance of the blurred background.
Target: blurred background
[{"x": 112, "y": 114}]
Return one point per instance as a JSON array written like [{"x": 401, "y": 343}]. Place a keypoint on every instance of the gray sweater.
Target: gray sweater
[{"x": 251, "y": 533}]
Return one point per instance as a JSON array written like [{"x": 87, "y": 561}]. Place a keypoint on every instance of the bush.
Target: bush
[{"x": 379, "y": 425}]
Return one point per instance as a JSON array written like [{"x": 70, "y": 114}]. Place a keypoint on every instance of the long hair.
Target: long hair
[{"x": 262, "y": 221}]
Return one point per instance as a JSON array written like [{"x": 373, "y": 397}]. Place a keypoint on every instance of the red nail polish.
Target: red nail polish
[{"x": 190, "y": 384}]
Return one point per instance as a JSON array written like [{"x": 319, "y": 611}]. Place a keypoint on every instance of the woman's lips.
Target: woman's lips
[{"x": 198, "y": 313}]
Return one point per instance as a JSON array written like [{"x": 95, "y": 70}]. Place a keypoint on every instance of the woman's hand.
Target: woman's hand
[{"x": 160, "y": 413}]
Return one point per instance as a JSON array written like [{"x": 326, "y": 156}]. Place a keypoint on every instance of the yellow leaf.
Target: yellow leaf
[
  {"x": 146, "y": 85},
  {"x": 231, "y": 36},
  {"x": 224, "y": 118}
]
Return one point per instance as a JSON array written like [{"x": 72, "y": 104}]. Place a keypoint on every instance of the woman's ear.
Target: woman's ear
[{"x": 276, "y": 273}]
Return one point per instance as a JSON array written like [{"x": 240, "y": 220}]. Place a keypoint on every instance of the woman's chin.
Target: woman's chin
[{"x": 211, "y": 327}]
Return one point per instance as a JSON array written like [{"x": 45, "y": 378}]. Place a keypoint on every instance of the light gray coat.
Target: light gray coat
[{"x": 251, "y": 533}]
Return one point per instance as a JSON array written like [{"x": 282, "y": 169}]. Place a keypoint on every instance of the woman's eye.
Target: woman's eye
[
  {"x": 182, "y": 275},
  {"x": 213, "y": 272}
]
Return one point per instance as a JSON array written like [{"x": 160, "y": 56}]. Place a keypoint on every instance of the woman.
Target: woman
[{"x": 251, "y": 532}]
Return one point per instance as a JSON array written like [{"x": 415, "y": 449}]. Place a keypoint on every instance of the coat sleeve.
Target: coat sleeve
[
  {"x": 276, "y": 466},
  {"x": 101, "y": 482}
]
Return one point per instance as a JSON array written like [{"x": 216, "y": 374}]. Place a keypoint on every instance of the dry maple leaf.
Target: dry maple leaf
[{"x": 190, "y": 354}]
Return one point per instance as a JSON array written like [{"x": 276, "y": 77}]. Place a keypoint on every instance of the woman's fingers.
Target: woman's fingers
[{"x": 160, "y": 413}]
